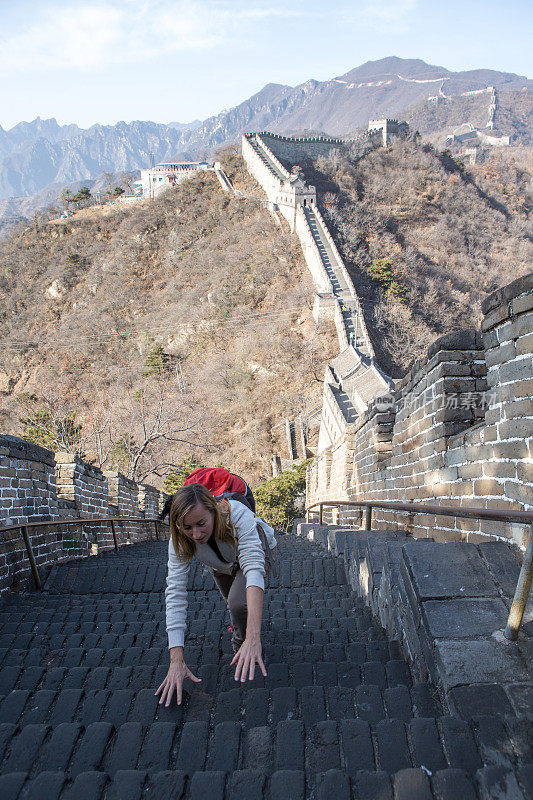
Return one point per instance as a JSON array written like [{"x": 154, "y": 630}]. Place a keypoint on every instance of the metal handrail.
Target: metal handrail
[
  {"x": 425, "y": 508},
  {"x": 24, "y": 526},
  {"x": 526, "y": 573}
]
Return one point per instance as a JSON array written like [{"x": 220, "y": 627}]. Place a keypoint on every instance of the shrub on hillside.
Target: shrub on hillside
[
  {"x": 157, "y": 362},
  {"x": 383, "y": 272},
  {"x": 276, "y": 498},
  {"x": 175, "y": 479}
]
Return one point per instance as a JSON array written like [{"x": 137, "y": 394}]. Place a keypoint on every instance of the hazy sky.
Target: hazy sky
[{"x": 90, "y": 61}]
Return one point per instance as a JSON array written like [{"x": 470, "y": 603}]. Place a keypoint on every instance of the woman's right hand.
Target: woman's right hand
[{"x": 177, "y": 672}]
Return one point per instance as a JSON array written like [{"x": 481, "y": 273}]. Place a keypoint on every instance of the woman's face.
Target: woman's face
[{"x": 198, "y": 524}]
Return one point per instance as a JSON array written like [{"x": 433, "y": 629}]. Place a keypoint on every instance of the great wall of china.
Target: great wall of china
[
  {"x": 458, "y": 428},
  {"x": 389, "y": 675}
]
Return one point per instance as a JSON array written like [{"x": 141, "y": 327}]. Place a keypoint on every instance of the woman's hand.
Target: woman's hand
[
  {"x": 177, "y": 672},
  {"x": 247, "y": 656}
]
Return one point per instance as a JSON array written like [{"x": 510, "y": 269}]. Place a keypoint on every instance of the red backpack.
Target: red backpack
[{"x": 220, "y": 482}]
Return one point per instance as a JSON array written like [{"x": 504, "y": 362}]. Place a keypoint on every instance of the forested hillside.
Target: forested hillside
[
  {"x": 425, "y": 238},
  {"x": 195, "y": 307},
  {"x": 181, "y": 328}
]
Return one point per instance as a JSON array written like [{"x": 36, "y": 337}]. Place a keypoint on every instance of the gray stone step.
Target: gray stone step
[
  {"x": 312, "y": 741},
  {"x": 338, "y": 713},
  {"x": 489, "y": 783}
]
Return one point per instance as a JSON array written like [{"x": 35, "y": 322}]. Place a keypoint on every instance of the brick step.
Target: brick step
[
  {"x": 126, "y": 649},
  {"x": 251, "y": 784},
  {"x": 39, "y": 669},
  {"x": 43, "y": 609},
  {"x": 57, "y": 654},
  {"x": 388, "y": 745},
  {"x": 114, "y": 697},
  {"x": 106, "y": 574}
]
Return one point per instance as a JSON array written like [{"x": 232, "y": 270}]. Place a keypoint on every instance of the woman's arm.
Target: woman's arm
[
  {"x": 252, "y": 563},
  {"x": 250, "y": 651},
  {"x": 176, "y": 614},
  {"x": 176, "y": 600}
]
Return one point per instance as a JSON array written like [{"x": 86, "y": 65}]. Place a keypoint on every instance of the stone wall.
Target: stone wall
[
  {"x": 293, "y": 149},
  {"x": 348, "y": 394},
  {"x": 82, "y": 484},
  {"x": 447, "y": 606},
  {"x": 27, "y": 482},
  {"x": 38, "y": 486},
  {"x": 312, "y": 256},
  {"x": 458, "y": 430},
  {"x": 260, "y": 170}
]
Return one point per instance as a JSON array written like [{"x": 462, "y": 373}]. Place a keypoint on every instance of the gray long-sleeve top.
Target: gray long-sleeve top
[{"x": 251, "y": 560}]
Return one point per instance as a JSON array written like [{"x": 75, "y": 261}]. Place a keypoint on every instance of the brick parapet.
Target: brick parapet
[
  {"x": 124, "y": 494},
  {"x": 83, "y": 484},
  {"x": 149, "y": 500},
  {"x": 27, "y": 482},
  {"x": 457, "y": 431},
  {"x": 37, "y": 485}
]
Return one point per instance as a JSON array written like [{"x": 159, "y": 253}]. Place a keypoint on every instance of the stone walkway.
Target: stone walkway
[{"x": 338, "y": 715}]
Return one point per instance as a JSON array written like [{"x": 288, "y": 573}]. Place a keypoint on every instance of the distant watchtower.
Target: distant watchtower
[{"x": 389, "y": 128}]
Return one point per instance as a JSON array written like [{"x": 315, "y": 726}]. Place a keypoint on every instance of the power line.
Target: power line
[{"x": 116, "y": 336}]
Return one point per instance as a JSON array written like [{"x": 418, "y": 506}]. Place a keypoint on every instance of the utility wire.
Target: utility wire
[
  {"x": 117, "y": 337},
  {"x": 105, "y": 337}
]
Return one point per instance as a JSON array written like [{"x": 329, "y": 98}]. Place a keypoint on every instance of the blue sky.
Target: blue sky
[{"x": 91, "y": 61}]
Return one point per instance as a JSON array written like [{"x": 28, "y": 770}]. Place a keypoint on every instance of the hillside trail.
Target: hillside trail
[{"x": 338, "y": 715}]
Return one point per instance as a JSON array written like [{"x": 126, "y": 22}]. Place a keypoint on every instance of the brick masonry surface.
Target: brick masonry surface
[
  {"x": 37, "y": 485},
  {"x": 339, "y": 715},
  {"x": 447, "y": 605},
  {"x": 458, "y": 430}
]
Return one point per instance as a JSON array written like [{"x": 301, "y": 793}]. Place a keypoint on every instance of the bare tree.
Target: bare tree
[
  {"x": 137, "y": 430},
  {"x": 154, "y": 420}
]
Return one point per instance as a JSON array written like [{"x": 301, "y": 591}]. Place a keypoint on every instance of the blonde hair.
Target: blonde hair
[{"x": 184, "y": 501}]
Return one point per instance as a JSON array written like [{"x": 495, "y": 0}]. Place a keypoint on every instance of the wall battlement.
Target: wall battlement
[
  {"x": 457, "y": 430},
  {"x": 290, "y": 139},
  {"x": 37, "y": 485},
  {"x": 336, "y": 298}
]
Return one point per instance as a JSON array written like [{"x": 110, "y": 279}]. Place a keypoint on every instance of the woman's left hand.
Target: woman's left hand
[{"x": 247, "y": 656}]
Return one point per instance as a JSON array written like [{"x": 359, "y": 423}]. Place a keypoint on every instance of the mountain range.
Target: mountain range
[{"x": 39, "y": 158}]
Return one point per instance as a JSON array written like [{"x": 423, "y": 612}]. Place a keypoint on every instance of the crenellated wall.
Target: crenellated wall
[
  {"x": 458, "y": 430},
  {"x": 28, "y": 482},
  {"x": 37, "y": 485},
  {"x": 293, "y": 149},
  {"x": 348, "y": 390},
  {"x": 82, "y": 484}
]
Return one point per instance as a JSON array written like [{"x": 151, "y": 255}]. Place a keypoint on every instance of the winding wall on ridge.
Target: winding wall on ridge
[
  {"x": 458, "y": 430},
  {"x": 354, "y": 378}
]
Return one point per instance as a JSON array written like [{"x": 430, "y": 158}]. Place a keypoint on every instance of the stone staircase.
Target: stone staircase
[
  {"x": 268, "y": 162},
  {"x": 338, "y": 281},
  {"x": 339, "y": 715}
]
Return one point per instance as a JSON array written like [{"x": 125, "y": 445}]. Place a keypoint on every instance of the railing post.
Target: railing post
[
  {"x": 307, "y": 515},
  {"x": 368, "y": 518},
  {"x": 156, "y": 530},
  {"x": 33, "y": 565},
  {"x": 321, "y": 514},
  {"x": 522, "y": 592},
  {"x": 114, "y": 533}
]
